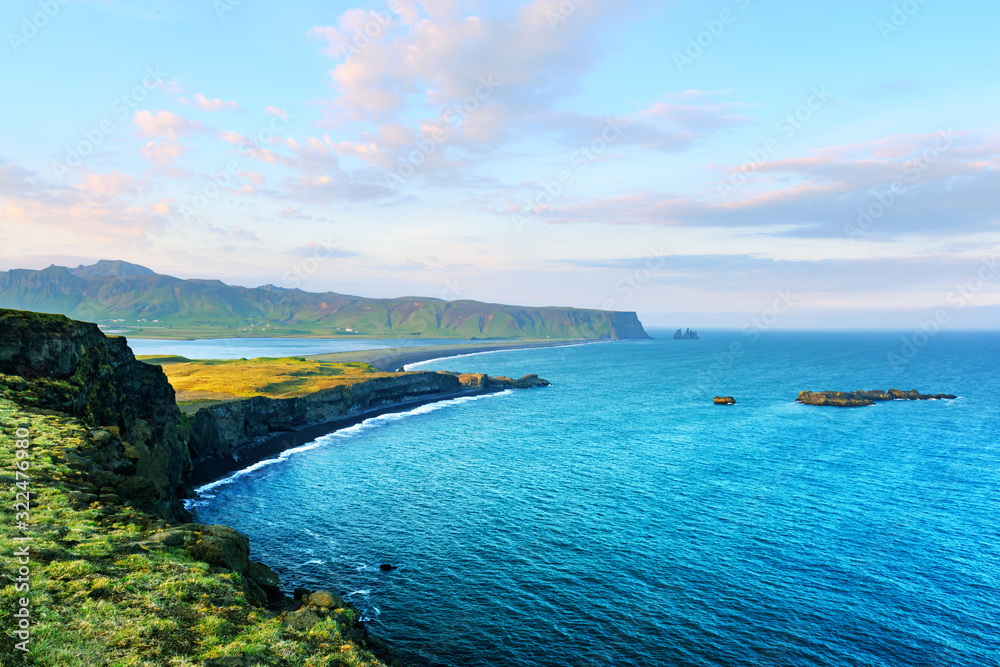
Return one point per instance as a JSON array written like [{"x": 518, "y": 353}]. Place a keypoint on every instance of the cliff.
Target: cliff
[
  {"x": 228, "y": 429},
  {"x": 858, "y": 399},
  {"x": 115, "y": 575},
  {"x": 127, "y": 295},
  {"x": 234, "y": 429},
  {"x": 136, "y": 446}
]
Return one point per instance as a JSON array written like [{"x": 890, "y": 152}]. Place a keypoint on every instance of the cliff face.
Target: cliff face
[
  {"x": 227, "y": 429},
  {"x": 136, "y": 449},
  {"x": 119, "y": 290},
  {"x": 626, "y": 326}
]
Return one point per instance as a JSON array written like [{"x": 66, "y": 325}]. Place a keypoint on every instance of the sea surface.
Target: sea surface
[
  {"x": 250, "y": 348},
  {"x": 620, "y": 518}
]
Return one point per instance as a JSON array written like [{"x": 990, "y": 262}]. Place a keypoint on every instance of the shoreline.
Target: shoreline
[
  {"x": 207, "y": 471},
  {"x": 395, "y": 359}
]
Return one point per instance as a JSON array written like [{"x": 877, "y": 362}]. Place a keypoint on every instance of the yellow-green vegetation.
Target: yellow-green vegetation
[
  {"x": 100, "y": 593},
  {"x": 286, "y": 377}
]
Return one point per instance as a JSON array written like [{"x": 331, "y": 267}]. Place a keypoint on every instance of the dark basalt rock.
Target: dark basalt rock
[
  {"x": 386, "y": 567},
  {"x": 686, "y": 335},
  {"x": 857, "y": 399},
  {"x": 137, "y": 447},
  {"x": 725, "y": 400}
]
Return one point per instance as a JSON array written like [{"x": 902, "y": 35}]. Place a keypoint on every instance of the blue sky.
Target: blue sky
[{"x": 680, "y": 159}]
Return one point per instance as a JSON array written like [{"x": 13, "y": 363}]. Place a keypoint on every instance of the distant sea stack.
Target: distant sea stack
[
  {"x": 859, "y": 399},
  {"x": 686, "y": 335}
]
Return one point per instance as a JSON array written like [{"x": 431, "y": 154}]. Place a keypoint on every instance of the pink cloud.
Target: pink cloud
[
  {"x": 164, "y": 124},
  {"x": 206, "y": 104},
  {"x": 163, "y": 153}
]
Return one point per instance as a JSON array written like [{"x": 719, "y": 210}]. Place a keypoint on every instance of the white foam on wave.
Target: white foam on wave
[
  {"x": 412, "y": 366},
  {"x": 347, "y": 432}
]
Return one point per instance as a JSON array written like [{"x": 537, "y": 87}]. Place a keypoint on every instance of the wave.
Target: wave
[
  {"x": 347, "y": 432},
  {"x": 408, "y": 367}
]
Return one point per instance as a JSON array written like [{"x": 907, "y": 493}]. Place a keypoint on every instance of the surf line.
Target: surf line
[
  {"x": 408, "y": 367},
  {"x": 333, "y": 436}
]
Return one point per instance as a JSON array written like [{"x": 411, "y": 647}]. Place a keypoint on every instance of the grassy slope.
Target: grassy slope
[
  {"x": 283, "y": 377},
  {"x": 199, "y": 308},
  {"x": 98, "y": 599}
]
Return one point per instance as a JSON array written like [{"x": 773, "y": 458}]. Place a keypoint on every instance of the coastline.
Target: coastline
[
  {"x": 207, "y": 471},
  {"x": 394, "y": 359}
]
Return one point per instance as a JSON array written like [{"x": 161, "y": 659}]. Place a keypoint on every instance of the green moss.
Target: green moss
[{"x": 98, "y": 600}]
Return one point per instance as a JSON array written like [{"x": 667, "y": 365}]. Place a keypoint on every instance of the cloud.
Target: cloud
[
  {"x": 907, "y": 185},
  {"x": 276, "y": 111},
  {"x": 93, "y": 211},
  {"x": 163, "y": 153},
  {"x": 164, "y": 124},
  {"x": 235, "y": 233},
  {"x": 112, "y": 184},
  {"x": 324, "y": 189},
  {"x": 206, "y": 104},
  {"x": 322, "y": 250}
]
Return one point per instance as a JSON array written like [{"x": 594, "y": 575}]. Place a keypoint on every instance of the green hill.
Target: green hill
[{"x": 138, "y": 301}]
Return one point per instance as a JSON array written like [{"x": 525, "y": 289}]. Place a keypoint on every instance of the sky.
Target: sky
[{"x": 700, "y": 163}]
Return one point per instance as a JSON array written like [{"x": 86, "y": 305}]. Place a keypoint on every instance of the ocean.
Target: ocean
[{"x": 620, "y": 518}]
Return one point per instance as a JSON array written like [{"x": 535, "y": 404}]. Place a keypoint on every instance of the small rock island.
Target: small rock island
[
  {"x": 858, "y": 399},
  {"x": 724, "y": 400},
  {"x": 686, "y": 335}
]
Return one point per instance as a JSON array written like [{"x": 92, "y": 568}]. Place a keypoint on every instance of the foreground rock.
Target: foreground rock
[
  {"x": 725, "y": 400},
  {"x": 137, "y": 450},
  {"x": 858, "y": 399}
]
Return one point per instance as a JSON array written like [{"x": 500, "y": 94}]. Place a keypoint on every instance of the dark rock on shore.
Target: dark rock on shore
[
  {"x": 725, "y": 400},
  {"x": 224, "y": 430},
  {"x": 137, "y": 446},
  {"x": 481, "y": 381},
  {"x": 230, "y": 430},
  {"x": 856, "y": 399}
]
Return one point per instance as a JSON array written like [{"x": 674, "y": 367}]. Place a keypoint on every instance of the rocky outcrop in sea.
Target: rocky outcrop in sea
[{"x": 858, "y": 399}]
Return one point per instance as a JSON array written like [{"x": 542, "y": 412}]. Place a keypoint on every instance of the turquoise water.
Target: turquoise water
[{"x": 620, "y": 518}]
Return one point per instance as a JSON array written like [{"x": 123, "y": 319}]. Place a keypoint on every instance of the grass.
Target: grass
[
  {"x": 204, "y": 382},
  {"x": 98, "y": 598}
]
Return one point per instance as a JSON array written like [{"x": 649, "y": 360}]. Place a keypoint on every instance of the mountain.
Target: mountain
[
  {"x": 135, "y": 298},
  {"x": 107, "y": 267}
]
